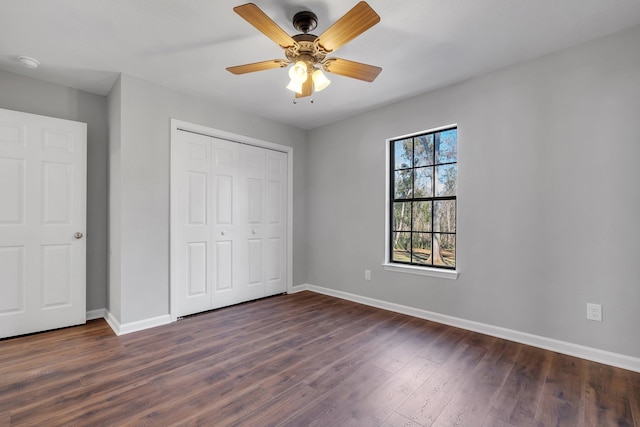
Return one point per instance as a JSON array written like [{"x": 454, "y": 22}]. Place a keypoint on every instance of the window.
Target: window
[{"x": 423, "y": 192}]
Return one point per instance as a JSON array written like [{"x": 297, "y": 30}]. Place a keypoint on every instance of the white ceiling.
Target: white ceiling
[{"x": 185, "y": 45}]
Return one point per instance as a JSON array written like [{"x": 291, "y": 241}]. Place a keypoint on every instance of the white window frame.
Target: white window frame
[{"x": 405, "y": 268}]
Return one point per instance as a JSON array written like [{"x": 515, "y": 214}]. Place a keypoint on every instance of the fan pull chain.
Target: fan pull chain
[{"x": 295, "y": 100}]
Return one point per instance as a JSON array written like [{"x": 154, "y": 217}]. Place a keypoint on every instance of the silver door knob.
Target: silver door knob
[
  {"x": 223, "y": 233},
  {"x": 77, "y": 235},
  {"x": 253, "y": 231}
]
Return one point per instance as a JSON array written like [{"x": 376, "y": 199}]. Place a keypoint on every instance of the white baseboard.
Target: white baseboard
[
  {"x": 583, "y": 352},
  {"x": 140, "y": 325},
  {"x": 96, "y": 314},
  {"x": 298, "y": 288}
]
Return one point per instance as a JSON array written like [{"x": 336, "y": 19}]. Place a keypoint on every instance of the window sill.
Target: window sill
[{"x": 422, "y": 271}]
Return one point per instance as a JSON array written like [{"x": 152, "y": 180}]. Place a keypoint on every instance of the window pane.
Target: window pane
[
  {"x": 423, "y": 185},
  {"x": 447, "y": 146},
  {"x": 446, "y": 255},
  {"x": 423, "y": 155},
  {"x": 421, "y": 248},
  {"x": 447, "y": 180},
  {"x": 401, "y": 247},
  {"x": 403, "y": 184},
  {"x": 422, "y": 216},
  {"x": 445, "y": 216},
  {"x": 403, "y": 153},
  {"x": 402, "y": 216}
]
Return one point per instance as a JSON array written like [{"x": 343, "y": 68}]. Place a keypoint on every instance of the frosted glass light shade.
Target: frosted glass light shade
[
  {"x": 320, "y": 81},
  {"x": 298, "y": 72},
  {"x": 295, "y": 86}
]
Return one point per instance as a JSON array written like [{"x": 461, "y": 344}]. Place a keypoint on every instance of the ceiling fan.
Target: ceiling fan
[{"x": 307, "y": 52}]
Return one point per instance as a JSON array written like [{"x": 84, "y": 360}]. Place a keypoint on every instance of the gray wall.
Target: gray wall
[
  {"x": 144, "y": 164},
  {"x": 33, "y": 96},
  {"x": 548, "y": 197}
]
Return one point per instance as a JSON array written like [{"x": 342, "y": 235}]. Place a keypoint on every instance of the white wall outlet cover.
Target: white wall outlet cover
[{"x": 594, "y": 312}]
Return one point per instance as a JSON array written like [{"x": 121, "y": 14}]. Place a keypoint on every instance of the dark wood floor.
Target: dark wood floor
[{"x": 298, "y": 360}]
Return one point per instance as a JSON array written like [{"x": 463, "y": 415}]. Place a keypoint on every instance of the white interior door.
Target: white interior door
[
  {"x": 230, "y": 222},
  {"x": 42, "y": 223}
]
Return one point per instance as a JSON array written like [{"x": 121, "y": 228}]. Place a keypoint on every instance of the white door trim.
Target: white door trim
[{"x": 178, "y": 126}]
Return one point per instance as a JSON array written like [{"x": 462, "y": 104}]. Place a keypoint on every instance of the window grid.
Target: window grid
[{"x": 410, "y": 199}]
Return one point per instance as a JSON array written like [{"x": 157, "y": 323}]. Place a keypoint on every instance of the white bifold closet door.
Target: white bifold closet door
[{"x": 230, "y": 223}]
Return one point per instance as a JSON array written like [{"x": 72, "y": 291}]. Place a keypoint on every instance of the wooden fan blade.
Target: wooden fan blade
[
  {"x": 258, "y": 66},
  {"x": 256, "y": 17},
  {"x": 351, "y": 25},
  {"x": 307, "y": 88},
  {"x": 355, "y": 70}
]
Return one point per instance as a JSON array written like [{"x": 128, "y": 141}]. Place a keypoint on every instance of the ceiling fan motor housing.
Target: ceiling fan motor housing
[{"x": 305, "y": 21}]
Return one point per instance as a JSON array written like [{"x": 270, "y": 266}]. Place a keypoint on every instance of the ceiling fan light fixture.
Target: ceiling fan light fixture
[
  {"x": 320, "y": 81},
  {"x": 295, "y": 86},
  {"x": 299, "y": 72},
  {"x": 306, "y": 53}
]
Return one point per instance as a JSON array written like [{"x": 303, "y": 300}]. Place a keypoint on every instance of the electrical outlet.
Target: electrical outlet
[
  {"x": 594, "y": 312},
  {"x": 367, "y": 275}
]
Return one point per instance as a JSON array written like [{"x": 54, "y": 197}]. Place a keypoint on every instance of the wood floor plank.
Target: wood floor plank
[
  {"x": 518, "y": 400},
  {"x": 562, "y": 393},
  {"x": 398, "y": 420},
  {"x": 417, "y": 336},
  {"x": 278, "y": 409},
  {"x": 469, "y": 407},
  {"x": 606, "y": 400},
  {"x": 495, "y": 422},
  {"x": 430, "y": 399},
  {"x": 633, "y": 385},
  {"x": 302, "y": 359},
  {"x": 329, "y": 408},
  {"x": 382, "y": 402}
]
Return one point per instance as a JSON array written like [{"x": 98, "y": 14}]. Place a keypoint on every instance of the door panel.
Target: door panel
[
  {"x": 12, "y": 265},
  {"x": 254, "y": 200},
  {"x": 273, "y": 259},
  {"x": 43, "y": 194},
  {"x": 12, "y": 133},
  {"x": 56, "y": 140},
  {"x": 57, "y": 183},
  {"x": 11, "y": 191},
  {"x": 197, "y": 269},
  {"x": 56, "y": 273},
  {"x": 224, "y": 200},
  {"x": 255, "y": 262},
  {"x": 198, "y": 196},
  {"x": 224, "y": 263}
]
